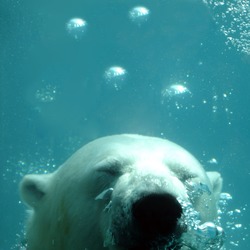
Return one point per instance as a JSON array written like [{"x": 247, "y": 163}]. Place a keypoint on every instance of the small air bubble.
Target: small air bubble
[
  {"x": 76, "y": 27},
  {"x": 225, "y": 196}
]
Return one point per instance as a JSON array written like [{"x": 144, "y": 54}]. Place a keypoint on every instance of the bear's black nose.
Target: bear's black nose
[{"x": 156, "y": 215}]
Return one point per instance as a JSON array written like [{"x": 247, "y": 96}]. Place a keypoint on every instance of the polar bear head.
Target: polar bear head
[{"x": 119, "y": 192}]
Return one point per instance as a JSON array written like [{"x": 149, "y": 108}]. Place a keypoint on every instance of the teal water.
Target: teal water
[{"x": 177, "y": 69}]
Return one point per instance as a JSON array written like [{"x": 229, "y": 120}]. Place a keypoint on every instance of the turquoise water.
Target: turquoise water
[{"x": 72, "y": 71}]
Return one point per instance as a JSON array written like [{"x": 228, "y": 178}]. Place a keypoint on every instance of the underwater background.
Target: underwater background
[{"x": 72, "y": 71}]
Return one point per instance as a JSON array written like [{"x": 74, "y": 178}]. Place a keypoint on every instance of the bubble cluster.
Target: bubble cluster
[
  {"x": 139, "y": 14},
  {"x": 21, "y": 242},
  {"x": 199, "y": 236},
  {"x": 221, "y": 103},
  {"x": 76, "y": 27},
  {"x": 231, "y": 219},
  {"x": 115, "y": 77},
  {"x": 208, "y": 235},
  {"x": 190, "y": 217},
  {"x": 233, "y": 19},
  {"x": 17, "y": 168},
  {"x": 46, "y": 94}
]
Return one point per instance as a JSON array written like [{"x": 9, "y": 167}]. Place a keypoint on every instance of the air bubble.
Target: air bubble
[
  {"x": 177, "y": 95},
  {"x": 225, "y": 196},
  {"x": 139, "y": 14},
  {"x": 213, "y": 161},
  {"x": 175, "y": 89},
  {"x": 115, "y": 77},
  {"x": 209, "y": 230},
  {"x": 76, "y": 27},
  {"x": 238, "y": 225}
]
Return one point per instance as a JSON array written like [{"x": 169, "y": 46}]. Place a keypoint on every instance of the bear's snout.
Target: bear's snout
[
  {"x": 152, "y": 222},
  {"x": 156, "y": 215}
]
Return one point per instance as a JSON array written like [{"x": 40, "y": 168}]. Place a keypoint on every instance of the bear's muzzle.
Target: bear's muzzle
[
  {"x": 155, "y": 219},
  {"x": 156, "y": 215},
  {"x": 151, "y": 224}
]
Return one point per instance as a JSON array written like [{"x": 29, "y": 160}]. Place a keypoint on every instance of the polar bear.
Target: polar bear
[{"x": 120, "y": 192}]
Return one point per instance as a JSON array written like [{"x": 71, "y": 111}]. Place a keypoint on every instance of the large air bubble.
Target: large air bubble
[
  {"x": 76, "y": 27},
  {"x": 115, "y": 77},
  {"x": 139, "y": 15}
]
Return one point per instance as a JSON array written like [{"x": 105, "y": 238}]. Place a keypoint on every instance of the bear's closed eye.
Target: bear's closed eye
[
  {"x": 187, "y": 176},
  {"x": 110, "y": 167},
  {"x": 110, "y": 170}
]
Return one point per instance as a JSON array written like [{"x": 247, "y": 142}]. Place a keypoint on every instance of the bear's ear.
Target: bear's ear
[
  {"x": 216, "y": 182},
  {"x": 33, "y": 188}
]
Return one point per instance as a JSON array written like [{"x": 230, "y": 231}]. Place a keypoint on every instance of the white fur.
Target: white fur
[{"x": 66, "y": 215}]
